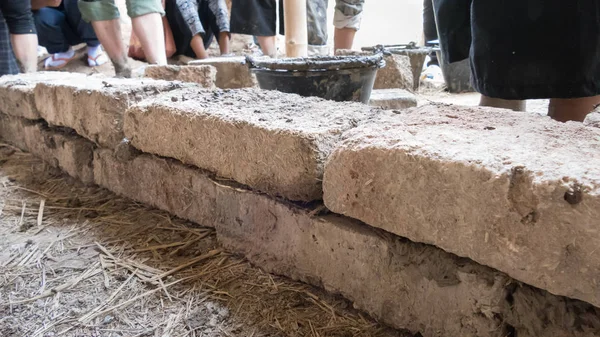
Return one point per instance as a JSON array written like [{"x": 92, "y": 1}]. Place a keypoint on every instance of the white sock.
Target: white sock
[
  {"x": 96, "y": 56},
  {"x": 59, "y": 59}
]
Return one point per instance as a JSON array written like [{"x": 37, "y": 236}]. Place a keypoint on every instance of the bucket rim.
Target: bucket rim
[
  {"x": 311, "y": 72},
  {"x": 316, "y": 63}
]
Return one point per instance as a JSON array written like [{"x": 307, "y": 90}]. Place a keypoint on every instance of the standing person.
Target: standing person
[
  {"x": 61, "y": 27},
  {"x": 19, "y": 20},
  {"x": 527, "y": 50},
  {"x": 194, "y": 23},
  {"x": 430, "y": 29},
  {"x": 432, "y": 72},
  {"x": 147, "y": 25},
  {"x": 258, "y": 18},
  {"x": 346, "y": 19}
]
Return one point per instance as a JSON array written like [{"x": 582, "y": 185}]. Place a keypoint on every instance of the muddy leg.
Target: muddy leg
[
  {"x": 268, "y": 45},
  {"x": 109, "y": 34},
  {"x": 564, "y": 110}
]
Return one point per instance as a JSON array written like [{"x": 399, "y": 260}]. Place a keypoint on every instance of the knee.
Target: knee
[
  {"x": 47, "y": 18},
  {"x": 348, "y": 14},
  {"x": 98, "y": 10},
  {"x": 137, "y": 8},
  {"x": 350, "y": 7}
]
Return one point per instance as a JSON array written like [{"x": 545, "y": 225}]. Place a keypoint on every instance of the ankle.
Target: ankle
[
  {"x": 93, "y": 51},
  {"x": 67, "y": 53},
  {"x": 122, "y": 68}
]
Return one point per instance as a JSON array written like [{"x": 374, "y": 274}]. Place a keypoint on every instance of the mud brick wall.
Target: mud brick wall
[
  {"x": 94, "y": 106},
  {"x": 517, "y": 192},
  {"x": 393, "y": 99},
  {"x": 205, "y": 76},
  {"x": 270, "y": 141},
  {"x": 232, "y": 72},
  {"x": 254, "y": 165}
]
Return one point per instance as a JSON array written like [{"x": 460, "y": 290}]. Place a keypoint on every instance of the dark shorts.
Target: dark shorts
[
  {"x": 258, "y": 18},
  {"x": 525, "y": 49}
]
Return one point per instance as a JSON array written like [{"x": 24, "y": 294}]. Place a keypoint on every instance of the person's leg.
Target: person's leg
[
  {"x": 109, "y": 34},
  {"x": 197, "y": 45},
  {"x": 343, "y": 38},
  {"x": 516, "y": 105},
  {"x": 257, "y": 18},
  {"x": 347, "y": 18},
  {"x": 268, "y": 15},
  {"x": 56, "y": 35},
  {"x": 218, "y": 21},
  {"x": 21, "y": 26},
  {"x": 513, "y": 58},
  {"x": 51, "y": 26},
  {"x": 224, "y": 39},
  {"x": 184, "y": 21},
  {"x": 316, "y": 14},
  {"x": 268, "y": 45},
  {"x": 148, "y": 27},
  {"x": 430, "y": 32},
  {"x": 104, "y": 16},
  {"x": 82, "y": 31},
  {"x": 564, "y": 110}
]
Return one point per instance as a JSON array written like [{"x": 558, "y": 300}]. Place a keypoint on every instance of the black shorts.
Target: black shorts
[
  {"x": 525, "y": 49},
  {"x": 256, "y": 17}
]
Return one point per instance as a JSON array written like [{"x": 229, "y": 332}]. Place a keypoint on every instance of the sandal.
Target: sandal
[
  {"x": 53, "y": 58},
  {"x": 99, "y": 60}
]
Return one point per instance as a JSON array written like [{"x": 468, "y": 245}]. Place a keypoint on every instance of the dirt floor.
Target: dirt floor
[{"x": 80, "y": 261}]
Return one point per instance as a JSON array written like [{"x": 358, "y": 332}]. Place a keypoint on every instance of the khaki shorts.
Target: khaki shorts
[
  {"x": 348, "y": 13},
  {"x": 103, "y": 10}
]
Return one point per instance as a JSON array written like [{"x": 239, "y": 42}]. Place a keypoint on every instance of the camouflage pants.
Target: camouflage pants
[{"x": 348, "y": 14}]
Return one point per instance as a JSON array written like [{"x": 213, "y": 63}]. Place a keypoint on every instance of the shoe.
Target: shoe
[
  {"x": 433, "y": 74},
  {"x": 41, "y": 51}
]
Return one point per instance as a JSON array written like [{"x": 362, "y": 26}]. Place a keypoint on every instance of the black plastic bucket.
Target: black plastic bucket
[{"x": 338, "y": 78}]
